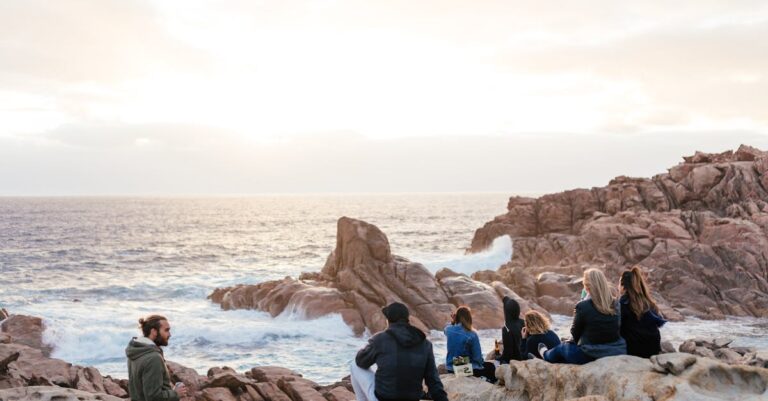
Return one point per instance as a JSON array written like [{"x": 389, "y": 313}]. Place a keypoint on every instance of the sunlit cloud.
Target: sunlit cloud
[{"x": 191, "y": 82}]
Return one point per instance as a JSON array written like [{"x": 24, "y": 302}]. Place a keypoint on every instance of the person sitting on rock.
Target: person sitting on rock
[
  {"x": 595, "y": 327},
  {"x": 511, "y": 333},
  {"x": 404, "y": 360},
  {"x": 640, "y": 317},
  {"x": 148, "y": 375},
  {"x": 463, "y": 341},
  {"x": 537, "y": 331}
]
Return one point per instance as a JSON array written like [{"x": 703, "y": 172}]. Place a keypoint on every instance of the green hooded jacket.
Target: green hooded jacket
[{"x": 148, "y": 378}]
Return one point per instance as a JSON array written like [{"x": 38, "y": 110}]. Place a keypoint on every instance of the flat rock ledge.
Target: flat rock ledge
[
  {"x": 675, "y": 376},
  {"x": 362, "y": 275}
]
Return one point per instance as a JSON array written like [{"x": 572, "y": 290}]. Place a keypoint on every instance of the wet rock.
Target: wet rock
[
  {"x": 300, "y": 390},
  {"x": 218, "y": 394},
  {"x": 270, "y": 392},
  {"x": 360, "y": 277},
  {"x": 688, "y": 346},
  {"x": 188, "y": 376},
  {"x": 52, "y": 393},
  {"x": 667, "y": 347},
  {"x": 674, "y": 363},
  {"x": 271, "y": 374},
  {"x": 229, "y": 380},
  {"x": 27, "y": 330}
]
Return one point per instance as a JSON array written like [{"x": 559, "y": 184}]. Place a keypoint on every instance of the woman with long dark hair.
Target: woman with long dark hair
[
  {"x": 463, "y": 341},
  {"x": 640, "y": 316}
]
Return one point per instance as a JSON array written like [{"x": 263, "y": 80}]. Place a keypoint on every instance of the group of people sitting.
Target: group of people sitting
[{"x": 602, "y": 326}]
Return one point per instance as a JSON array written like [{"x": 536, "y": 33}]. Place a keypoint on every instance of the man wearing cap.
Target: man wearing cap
[{"x": 404, "y": 359}]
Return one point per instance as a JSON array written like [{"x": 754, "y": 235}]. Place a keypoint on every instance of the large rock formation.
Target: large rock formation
[
  {"x": 664, "y": 377},
  {"x": 700, "y": 231},
  {"x": 361, "y": 276}
]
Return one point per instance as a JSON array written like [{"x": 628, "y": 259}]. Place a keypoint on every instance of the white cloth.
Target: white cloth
[{"x": 363, "y": 382}]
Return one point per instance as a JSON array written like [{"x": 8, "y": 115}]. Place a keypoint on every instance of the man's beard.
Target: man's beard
[{"x": 160, "y": 341}]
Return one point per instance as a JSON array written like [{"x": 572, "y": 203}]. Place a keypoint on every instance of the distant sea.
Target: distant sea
[{"x": 92, "y": 266}]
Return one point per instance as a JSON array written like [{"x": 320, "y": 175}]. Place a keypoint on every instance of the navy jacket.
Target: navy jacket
[
  {"x": 530, "y": 344},
  {"x": 642, "y": 335},
  {"x": 597, "y": 334},
  {"x": 404, "y": 360}
]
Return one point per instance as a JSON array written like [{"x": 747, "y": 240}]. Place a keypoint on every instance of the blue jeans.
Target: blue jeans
[{"x": 567, "y": 353}]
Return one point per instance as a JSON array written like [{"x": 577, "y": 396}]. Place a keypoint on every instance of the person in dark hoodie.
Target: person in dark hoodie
[
  {"x": 404, "y": 359},
  {"x": 511, "y": 333},
  {"x": 640, "y": 316},
  {"x": 148, "y": 375}
]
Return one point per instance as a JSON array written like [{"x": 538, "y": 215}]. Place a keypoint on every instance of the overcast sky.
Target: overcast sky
[{"x": 118, "y": 97}]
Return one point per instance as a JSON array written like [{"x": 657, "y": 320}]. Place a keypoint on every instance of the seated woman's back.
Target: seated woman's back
[
  {"x": 462, "y": 342},
  {"x": 590, "y": 326},
  {"x": 537, "y": 331},
  {"x": 640, "y": 317}
]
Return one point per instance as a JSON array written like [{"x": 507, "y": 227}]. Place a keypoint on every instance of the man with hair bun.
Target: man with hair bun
[{"x": 148, "y": 375}]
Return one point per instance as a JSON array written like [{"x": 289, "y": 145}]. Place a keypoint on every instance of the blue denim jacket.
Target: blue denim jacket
[{"x": 462, "y": 343}]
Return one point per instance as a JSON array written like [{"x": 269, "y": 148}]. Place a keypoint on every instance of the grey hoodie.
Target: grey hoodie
[{"x": 148, "y": 377}]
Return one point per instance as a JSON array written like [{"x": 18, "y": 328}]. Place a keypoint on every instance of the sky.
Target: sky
[{"x": 187, "y": 97}]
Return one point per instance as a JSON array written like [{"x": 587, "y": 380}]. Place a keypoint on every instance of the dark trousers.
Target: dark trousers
[
  {"x": 488, "y": 372},
  {"x": 567, "y": 353}
]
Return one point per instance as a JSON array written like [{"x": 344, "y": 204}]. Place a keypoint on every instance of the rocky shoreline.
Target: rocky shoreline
[
  {"x": 704, "y": 369},
  {"x": 700, "y": 231}
]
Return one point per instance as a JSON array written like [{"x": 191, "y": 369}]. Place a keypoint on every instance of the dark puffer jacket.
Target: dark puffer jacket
[{"x": 404, "y": 360}]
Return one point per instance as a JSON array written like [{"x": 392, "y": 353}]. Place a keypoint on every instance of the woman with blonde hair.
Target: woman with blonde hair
[
  {"x": 463, "y": 341},
  {"x": 537, "y": 331},
  {"x": 595, "y": 327},
  {"x": 640, "y": 316}
]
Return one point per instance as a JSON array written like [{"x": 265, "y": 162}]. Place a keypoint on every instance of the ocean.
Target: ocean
[{"x": 90, "y": 267}]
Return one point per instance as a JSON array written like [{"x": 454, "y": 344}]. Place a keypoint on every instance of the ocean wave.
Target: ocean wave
[{"x": 498, "y": 254}]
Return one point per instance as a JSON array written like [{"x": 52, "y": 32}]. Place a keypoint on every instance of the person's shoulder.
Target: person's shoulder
[
  {"x": 584, "y": 305},
  {"x": 380, "y": 336}
]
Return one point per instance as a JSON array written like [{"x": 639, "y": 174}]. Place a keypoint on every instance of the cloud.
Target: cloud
[
  {"x": 45, "y": 43},
  {"x": 171, "y": 160},
  {"x": 673, "y": 74}
]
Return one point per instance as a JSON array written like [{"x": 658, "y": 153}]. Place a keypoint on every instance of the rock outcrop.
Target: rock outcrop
[
  {"x": 719, "y": 348},
  {"x": 669, "y": 377},
  {"x": 22, "y": 329},
  {"x": 700, "y": 231},
  {"x": 52, "y": 393},
  {"x": 361, "y": 276},
  {"x": 23, "y": 366}
]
